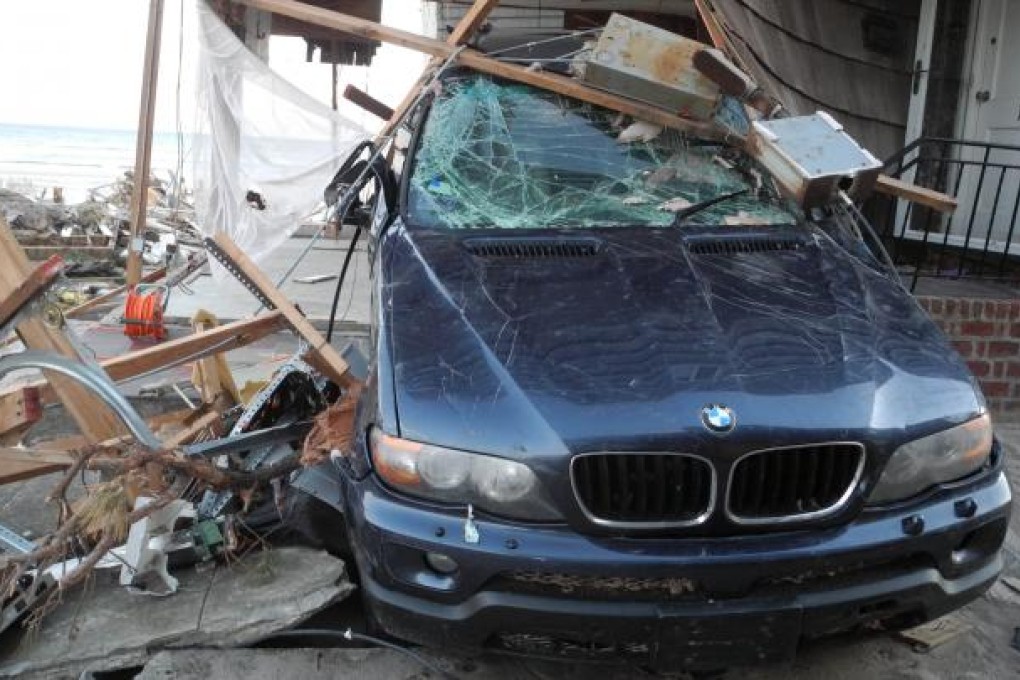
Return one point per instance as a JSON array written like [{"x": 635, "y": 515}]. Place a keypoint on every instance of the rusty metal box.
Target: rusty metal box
[
  {"x": 812, "y": 157},
  {"x": 636, "y": 60}
]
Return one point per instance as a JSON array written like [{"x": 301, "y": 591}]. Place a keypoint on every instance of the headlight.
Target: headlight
[
  {"x": 502, "y": 487},
  {"x": 941, "y": 457}
]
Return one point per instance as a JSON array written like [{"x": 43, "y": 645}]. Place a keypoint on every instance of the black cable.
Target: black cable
[
  {"x": 340, "y": 283},
  {"x": 349, "y": 635}
]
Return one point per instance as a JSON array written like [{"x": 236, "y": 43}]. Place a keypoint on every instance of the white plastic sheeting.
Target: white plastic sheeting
[{"x": 264, "y": 150}]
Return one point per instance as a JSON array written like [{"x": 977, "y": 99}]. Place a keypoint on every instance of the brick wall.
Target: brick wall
[{"x": 986, "y": 333}]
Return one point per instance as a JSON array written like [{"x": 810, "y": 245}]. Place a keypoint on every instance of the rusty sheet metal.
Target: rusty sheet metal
[{"x": 643, "y": 62}]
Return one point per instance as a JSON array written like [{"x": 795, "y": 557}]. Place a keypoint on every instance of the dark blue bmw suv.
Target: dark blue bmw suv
[{"x": 628, "y": 403}]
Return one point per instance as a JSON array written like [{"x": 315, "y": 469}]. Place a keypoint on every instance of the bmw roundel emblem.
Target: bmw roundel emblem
[{"x": 718, "y": 418}]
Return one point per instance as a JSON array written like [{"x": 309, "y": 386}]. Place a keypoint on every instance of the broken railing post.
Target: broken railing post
[{"x": 143, "y": 150}]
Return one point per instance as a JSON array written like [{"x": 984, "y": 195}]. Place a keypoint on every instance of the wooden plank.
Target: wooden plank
[
  {"x": 368, "y": 102},
  {"x": 194, "y": 347},
  {"x": 479, "y": 62},
  {"x": 19, "y": 470},
  {"x": 75, "y": 441},
  {"x": 462, "y": 33},
  {"x": 322, "y": 355},
  {"x": 31, "y": 287},
  {"x": 110, "y": 294},
  {"x": 188, "y": 434},
  {"x": 211, "y": 375},
  {"x": 143, "y": 148},
  {"x": 19, "y": 410},
  {"x": 472, "y": 21},
  {"x": 92, "y": 416},
  {"x": 936, "y": 200},
  {"x": 40, "y": 456},
  {"x": 213, "y": 341},
  {"x": 569, "y": 87}
]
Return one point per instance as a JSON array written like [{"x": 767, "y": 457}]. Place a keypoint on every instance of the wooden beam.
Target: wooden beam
[
  {"x": 195, "y": 347},
  {"x": 211, "y": 375},
  {"x": 31, "y": 287},
  {"x": 476, "y": 60},
  {"x": 110, "y": 294},
  {"x": 936, "y": 200},
  {"x": 92, "y": 416},
  {"x": 322, "y": 355},
  {"x": 143, "y": 147},
  {"x": 19, "y": 410},
  {"x": 188, "y": 434},
  {"x": 213, "y": 341},
  {"x": 472, "y": 21},
  {"x": 368, "y": 102},
  {"x": 47, "y": 457},
  {"x": 17, "y": 465}
]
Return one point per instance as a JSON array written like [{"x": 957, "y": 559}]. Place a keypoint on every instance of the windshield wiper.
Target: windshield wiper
[{"x": 681, "y": 216}]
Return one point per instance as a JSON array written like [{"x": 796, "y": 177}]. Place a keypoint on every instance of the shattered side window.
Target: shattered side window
[{"x": 514, "y": 157}]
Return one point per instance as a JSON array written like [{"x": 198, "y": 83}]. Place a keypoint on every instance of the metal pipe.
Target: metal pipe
[{"x": 92, "y": 378}]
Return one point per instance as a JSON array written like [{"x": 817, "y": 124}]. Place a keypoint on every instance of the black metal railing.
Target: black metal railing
[{"x": 980, "y": 239}]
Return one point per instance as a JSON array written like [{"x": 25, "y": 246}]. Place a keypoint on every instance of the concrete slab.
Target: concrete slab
[
  {"x": 272, "y": 664},
  {"x": 105, "y": 627}
]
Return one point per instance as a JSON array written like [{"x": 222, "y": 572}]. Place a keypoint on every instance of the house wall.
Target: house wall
[
  {"x": 525, "y": 15},
  {"x": 851, "y": 59},
  {"x": 986, "y": 333}
]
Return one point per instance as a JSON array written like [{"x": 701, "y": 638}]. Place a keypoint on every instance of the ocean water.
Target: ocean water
[{"x": 34, "y": 158}]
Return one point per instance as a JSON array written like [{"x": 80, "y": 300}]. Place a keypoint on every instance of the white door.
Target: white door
[{"x": 992, "y": 114}]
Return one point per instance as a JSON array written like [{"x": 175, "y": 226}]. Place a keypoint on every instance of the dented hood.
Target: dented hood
[{"x": 544, "y": 344}]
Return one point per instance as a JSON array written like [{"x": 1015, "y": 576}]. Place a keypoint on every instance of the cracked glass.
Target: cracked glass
[{"x": 509, "y": 156}]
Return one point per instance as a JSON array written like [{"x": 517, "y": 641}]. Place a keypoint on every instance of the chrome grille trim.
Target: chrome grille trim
[
  {"x": 821, "y": 513},
  {"x": 660, "y": 524}
]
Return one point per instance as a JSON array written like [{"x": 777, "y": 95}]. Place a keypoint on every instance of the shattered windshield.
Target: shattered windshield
[{"x": 511, "y": 156}]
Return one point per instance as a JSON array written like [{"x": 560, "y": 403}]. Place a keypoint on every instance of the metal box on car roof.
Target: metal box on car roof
[
  {"x": 646, "y": 63},
  {"x": 812, "y": 158}
]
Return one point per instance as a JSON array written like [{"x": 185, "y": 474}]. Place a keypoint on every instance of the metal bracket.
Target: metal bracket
[{"x": 228, "y": 263}]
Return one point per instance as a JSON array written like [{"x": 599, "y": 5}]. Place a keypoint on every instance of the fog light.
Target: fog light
[{"x": 440, "y": 563}]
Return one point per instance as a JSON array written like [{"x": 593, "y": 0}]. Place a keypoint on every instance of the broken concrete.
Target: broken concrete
[
  {"x": 309, "y": 664},
  {"x": 106, "y": 627}
]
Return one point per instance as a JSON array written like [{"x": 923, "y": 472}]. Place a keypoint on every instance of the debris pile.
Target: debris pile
[
  {"x": 219, "y": 479},
  {"x": 92, "y": 236}
]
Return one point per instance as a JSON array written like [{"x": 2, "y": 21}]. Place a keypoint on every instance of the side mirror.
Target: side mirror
[{"x": 363, "y": 187}]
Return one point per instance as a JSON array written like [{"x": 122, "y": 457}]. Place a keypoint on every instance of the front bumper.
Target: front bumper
[{"x": 670, "y": 603}]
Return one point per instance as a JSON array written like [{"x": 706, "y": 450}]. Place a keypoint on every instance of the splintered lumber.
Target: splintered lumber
[
  {"x": 192, "y": 430},
  {"x": 21, "y": 464},
  {"x": 322, "y": 355},
  {"x": 192, "y": 347},
  {"x": 189, "y": 348},
  {"x": 476, "y": 60},
  {"x": 368, "y": 102},
  {"x": 211, "y": 375},
  {"x": 143, "y": 150},
  {"x": 89, "y": 412},
  {"x": 110, "y": 294},
  {"x": 462, "y": 33},
  {"x": 33, "y": 285},
  {"x": 19, "y": 410},
  {"x": 935, "y": 200}
]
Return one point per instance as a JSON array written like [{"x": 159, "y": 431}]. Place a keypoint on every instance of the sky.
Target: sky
[{"x": 78, "y": 63}]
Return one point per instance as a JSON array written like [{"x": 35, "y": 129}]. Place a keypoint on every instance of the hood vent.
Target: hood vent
[
  {"x": 533, "y": 248},
  {"x": 742, "y": 244}
]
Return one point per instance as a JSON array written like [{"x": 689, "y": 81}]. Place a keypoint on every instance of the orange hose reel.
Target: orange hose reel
[{"x": 143, "y": 312}]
